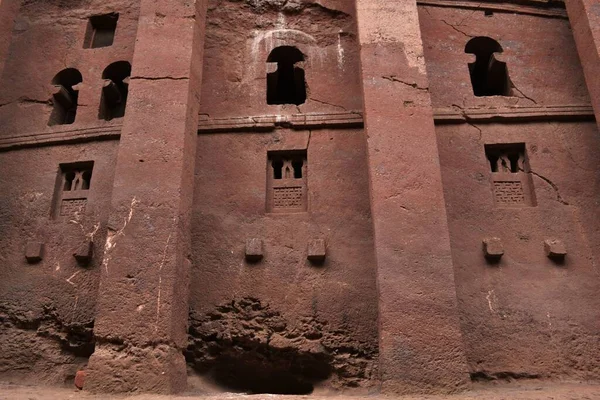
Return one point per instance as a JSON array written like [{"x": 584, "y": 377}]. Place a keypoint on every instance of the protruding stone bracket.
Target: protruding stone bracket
[
  {"x": 493, "y": 249},
  {"x": 254, "y": 250},
  {"x": 555, "y": 250},
  {"x": 317, "y": 251},
  {"x": 84, "y": 252},
  {"x": 34, "y": 252}
]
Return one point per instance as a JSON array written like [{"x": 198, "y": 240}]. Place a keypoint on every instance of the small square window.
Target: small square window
[
  {"x": 512, "y": 184},
  {"x": 286, "y": 182},
  {"x": 101, "y": 31},
  {"x": 72, "y": 189}
]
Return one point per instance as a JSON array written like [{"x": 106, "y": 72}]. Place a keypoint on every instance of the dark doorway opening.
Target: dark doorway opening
[
  {"x": 489, "y": 76},
  {"x": 101, "y": 31},
  {"x": 287, "y": 85},
  {"x": 114, "y": 93},
  {"x": 64, "y": 100}
]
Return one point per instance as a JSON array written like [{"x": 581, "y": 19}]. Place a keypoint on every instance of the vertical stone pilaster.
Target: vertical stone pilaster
[
  {"x": 584, "y": 16},
  {"x": 421, "y": 347},
  {"x": 142, "y": 310},
  {"x": 8, "y": 13}
]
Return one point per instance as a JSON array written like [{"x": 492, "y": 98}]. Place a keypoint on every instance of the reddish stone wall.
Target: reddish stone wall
[
  {"x": 8, "y": 13},
  {"x": 48, "y": 308},
  {"x": 328, "y": 311},
  {"x": 240, "y": 36},
  {"x": 279, "y": 322},
  {"x": 527, "y": 316},
  {"x": 47, "y": 38},
  {"x": 313, "y": 322},
  {"x": 539, "y": 51}
]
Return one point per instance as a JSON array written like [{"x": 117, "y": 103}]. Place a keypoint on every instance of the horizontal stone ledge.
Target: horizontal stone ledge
[
  {"x": 207, "y": 125},
  {"x": 454, "y": 115},
  {"x": 60, "y": 137},
  {"x": 448, "y": 115},
  {"x": 531, "y": 7},
  {"x": 270, "y": 122}
]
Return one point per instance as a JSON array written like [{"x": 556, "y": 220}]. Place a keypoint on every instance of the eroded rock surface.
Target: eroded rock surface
[
  {"x": 248, "y": 346},
  {"x": 45, "y": 344}
]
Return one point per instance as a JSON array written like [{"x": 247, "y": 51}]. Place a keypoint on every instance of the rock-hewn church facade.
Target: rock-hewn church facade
[{"x": 287, "y": 196}]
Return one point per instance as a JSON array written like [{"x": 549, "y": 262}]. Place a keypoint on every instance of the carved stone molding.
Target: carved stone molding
[
  {"x": 532, "y": 7},
  {"x": 270, "y": 122},
  {"x": 60, "y": 137},
  {"x": 453, "y": 115},
  {"x": 447, "y": 115}
]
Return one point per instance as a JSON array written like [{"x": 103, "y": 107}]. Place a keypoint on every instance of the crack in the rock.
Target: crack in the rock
[
  {"x": 468, "y": 119},
  {"x": 523, "y": 94},
  {"x": 456, "y": 29},
  {"x": 28, "y": 101},
  {"x": 34, "y": 101},
  {"x": 559, "y": 198},
  {"x": 393, "y": 78},
  {"x": 329, "y": 104},
  {"x": 470, "y": 15},
  {"x": 160, "y": 78},
  {"x": 473, "y": 125}
]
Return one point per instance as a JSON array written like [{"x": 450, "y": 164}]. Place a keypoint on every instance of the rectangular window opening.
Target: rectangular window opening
[
  {"x": 73, "y": 184},
  {"x": 286, "y": 181},
  {"x": 101, "y": 31},
  {"x": 512, "y": 184}
]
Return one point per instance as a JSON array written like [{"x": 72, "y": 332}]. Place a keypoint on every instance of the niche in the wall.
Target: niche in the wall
[
  {"x": 489, "y": 76},
  {"x": 286, "y": 85},
  {"x": 72, "y": 189},
  {"x": 64, "y": 101},
  {"x": 114, "y": 92},
  {"x": 286, "y": 181},
  {"x": 512, "y": 184},
  {"x": 101, "y": 31}
]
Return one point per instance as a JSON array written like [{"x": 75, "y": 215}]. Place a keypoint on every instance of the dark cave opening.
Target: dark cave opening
[{"x": 256, "y": 368}]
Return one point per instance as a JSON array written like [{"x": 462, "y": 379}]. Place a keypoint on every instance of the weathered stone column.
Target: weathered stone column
[
  {"x": 142, "y": 309},
  {"x": 8, "y": 12},
  {"x": 584, "y": 16},
  {"x": 421, "y": 347}
]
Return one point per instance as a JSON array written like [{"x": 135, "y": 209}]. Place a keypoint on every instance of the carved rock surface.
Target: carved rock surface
[{"x": 246, "y": 345}]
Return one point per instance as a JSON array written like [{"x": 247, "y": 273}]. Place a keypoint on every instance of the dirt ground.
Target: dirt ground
[{"x": 505, "y": 391}]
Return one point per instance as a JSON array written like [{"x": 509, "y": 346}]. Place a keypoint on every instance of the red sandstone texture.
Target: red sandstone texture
[
  {"x": 523, "y": 391},
  {"x": 298, "y": 196}
]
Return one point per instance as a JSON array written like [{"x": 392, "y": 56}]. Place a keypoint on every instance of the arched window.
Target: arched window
[
  {"x": 287, "y": 85},
  {"x": 114, "y": 93},
  {"x": 489, "y": 76},
  {"x": 65, "y": 99}
]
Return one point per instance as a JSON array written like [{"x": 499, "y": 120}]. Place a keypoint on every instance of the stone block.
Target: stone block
[
  {"x": 317, "y": 250},
  {"x": 79, "y": 379},
  {"x": 555, "y": 249},
  {"x": 254, "y": 249},
  {"x": 34, "y": 252},
  {"x": 493, "y": 249},
  {"x": 84, "y": 253}
]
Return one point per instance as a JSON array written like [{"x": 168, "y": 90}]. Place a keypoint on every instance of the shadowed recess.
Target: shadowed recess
[
  {"x": 287, "y": 85},
  {"x": 489, "y": 76}
]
